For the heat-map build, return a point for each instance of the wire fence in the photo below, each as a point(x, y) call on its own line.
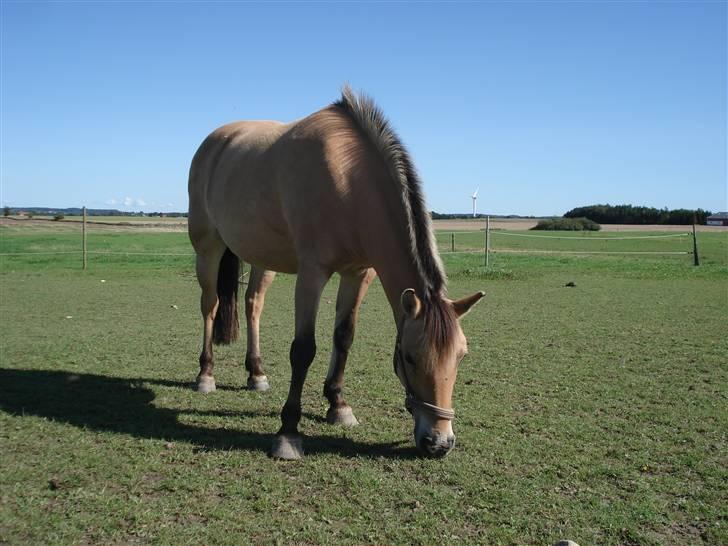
point(485, 241)
point(473, 242)
point(494, 242)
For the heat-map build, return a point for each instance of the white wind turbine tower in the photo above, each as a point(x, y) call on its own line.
point(475, 200)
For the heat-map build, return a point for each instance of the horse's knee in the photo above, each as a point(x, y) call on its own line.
point(344, 336)
point(303, 351)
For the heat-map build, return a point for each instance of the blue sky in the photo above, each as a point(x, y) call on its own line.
point(542, 105)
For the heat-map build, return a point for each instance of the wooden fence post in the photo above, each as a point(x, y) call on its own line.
point(452, 242)
point(83, 231)
point(487, 241)
point(696, 258)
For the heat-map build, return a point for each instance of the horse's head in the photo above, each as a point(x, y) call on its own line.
point(430, 345)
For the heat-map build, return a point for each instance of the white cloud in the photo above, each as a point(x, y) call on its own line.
point(136, 202)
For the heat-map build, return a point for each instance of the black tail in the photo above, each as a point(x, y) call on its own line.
point(226, 326)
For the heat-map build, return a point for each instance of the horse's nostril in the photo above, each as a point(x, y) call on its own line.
point(433, 447)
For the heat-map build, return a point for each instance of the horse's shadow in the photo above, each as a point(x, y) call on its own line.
point(124, 406)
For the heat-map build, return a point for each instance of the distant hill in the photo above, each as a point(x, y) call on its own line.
point(76, 211)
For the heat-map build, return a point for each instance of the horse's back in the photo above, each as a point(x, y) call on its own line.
point(276, 193)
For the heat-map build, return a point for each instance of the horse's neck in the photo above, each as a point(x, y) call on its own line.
point(391, 256)
point(396, 278)
point(384, 232)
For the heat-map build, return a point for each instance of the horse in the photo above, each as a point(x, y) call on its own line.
point(334, 192)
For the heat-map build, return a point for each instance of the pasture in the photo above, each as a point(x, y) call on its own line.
point(595, 412)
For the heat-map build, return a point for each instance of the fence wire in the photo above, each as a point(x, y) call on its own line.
point(472, 250)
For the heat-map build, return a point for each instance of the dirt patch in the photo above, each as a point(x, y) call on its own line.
point(660, 227)
point(528, 223)
point(180, 225)
point(40, 224)
point(479, 224)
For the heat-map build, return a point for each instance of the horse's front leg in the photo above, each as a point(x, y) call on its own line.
point(258, 283)
point(287, 444)
point(352, 289)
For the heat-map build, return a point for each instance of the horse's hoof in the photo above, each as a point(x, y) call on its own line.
point(205, 384)
point(287, 446)
point(258, 383)
point(343, 416)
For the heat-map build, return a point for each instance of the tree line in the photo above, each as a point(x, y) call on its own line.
point(629, 214)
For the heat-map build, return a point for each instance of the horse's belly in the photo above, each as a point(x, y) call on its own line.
point(261, 245)
point(273, 259)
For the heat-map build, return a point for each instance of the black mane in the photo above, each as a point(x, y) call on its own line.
point(371, 120)
point(439, 314)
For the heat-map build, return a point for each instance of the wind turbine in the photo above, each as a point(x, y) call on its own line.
point(475, 200)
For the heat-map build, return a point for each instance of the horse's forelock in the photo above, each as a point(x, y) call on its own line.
point(441, 323)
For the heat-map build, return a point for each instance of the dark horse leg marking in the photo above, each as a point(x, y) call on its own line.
point(352, 288)
point(287, 444)
point(258, 283)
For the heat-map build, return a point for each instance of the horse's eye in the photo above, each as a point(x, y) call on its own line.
point(408, 359)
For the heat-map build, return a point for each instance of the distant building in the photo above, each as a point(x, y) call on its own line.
point(718, 219)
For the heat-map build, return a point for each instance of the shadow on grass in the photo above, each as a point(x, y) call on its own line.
point(125, 406)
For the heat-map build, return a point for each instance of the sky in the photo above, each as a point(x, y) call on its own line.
point(542, 106)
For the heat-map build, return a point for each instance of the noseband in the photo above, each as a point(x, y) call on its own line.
point(412, 401)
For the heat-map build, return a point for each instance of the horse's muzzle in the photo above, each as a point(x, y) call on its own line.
point(436, 446)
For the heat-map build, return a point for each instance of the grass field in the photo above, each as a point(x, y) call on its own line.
point(595, 413)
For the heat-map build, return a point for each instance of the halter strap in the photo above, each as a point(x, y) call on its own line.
point(441, 413)
point(412, 401)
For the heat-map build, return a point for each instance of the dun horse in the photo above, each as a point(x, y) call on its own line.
point(333, 192)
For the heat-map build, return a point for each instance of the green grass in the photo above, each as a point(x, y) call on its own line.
point(595, 413)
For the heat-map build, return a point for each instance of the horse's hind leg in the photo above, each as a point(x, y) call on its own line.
point(352, 289)
point(208, 265)
point(258, 283)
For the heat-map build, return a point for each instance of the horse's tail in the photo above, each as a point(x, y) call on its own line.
point(226, 327)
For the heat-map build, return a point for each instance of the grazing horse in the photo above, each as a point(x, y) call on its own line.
point(333, 192)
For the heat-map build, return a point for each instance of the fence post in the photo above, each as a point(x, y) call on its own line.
point(452, 242)
point(696, 258)
point(487, 240)
point(83, 231)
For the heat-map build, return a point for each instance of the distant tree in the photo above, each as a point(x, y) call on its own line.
point(629, 214)
point(6, 211)
point(58, 217)
point(567, 224)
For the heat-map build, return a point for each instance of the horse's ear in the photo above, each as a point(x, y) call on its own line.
point(462, 306)
point(411, 304)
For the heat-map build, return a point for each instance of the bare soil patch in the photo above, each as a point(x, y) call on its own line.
point(528, 223)
point(138, 224)
point(151, 225)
